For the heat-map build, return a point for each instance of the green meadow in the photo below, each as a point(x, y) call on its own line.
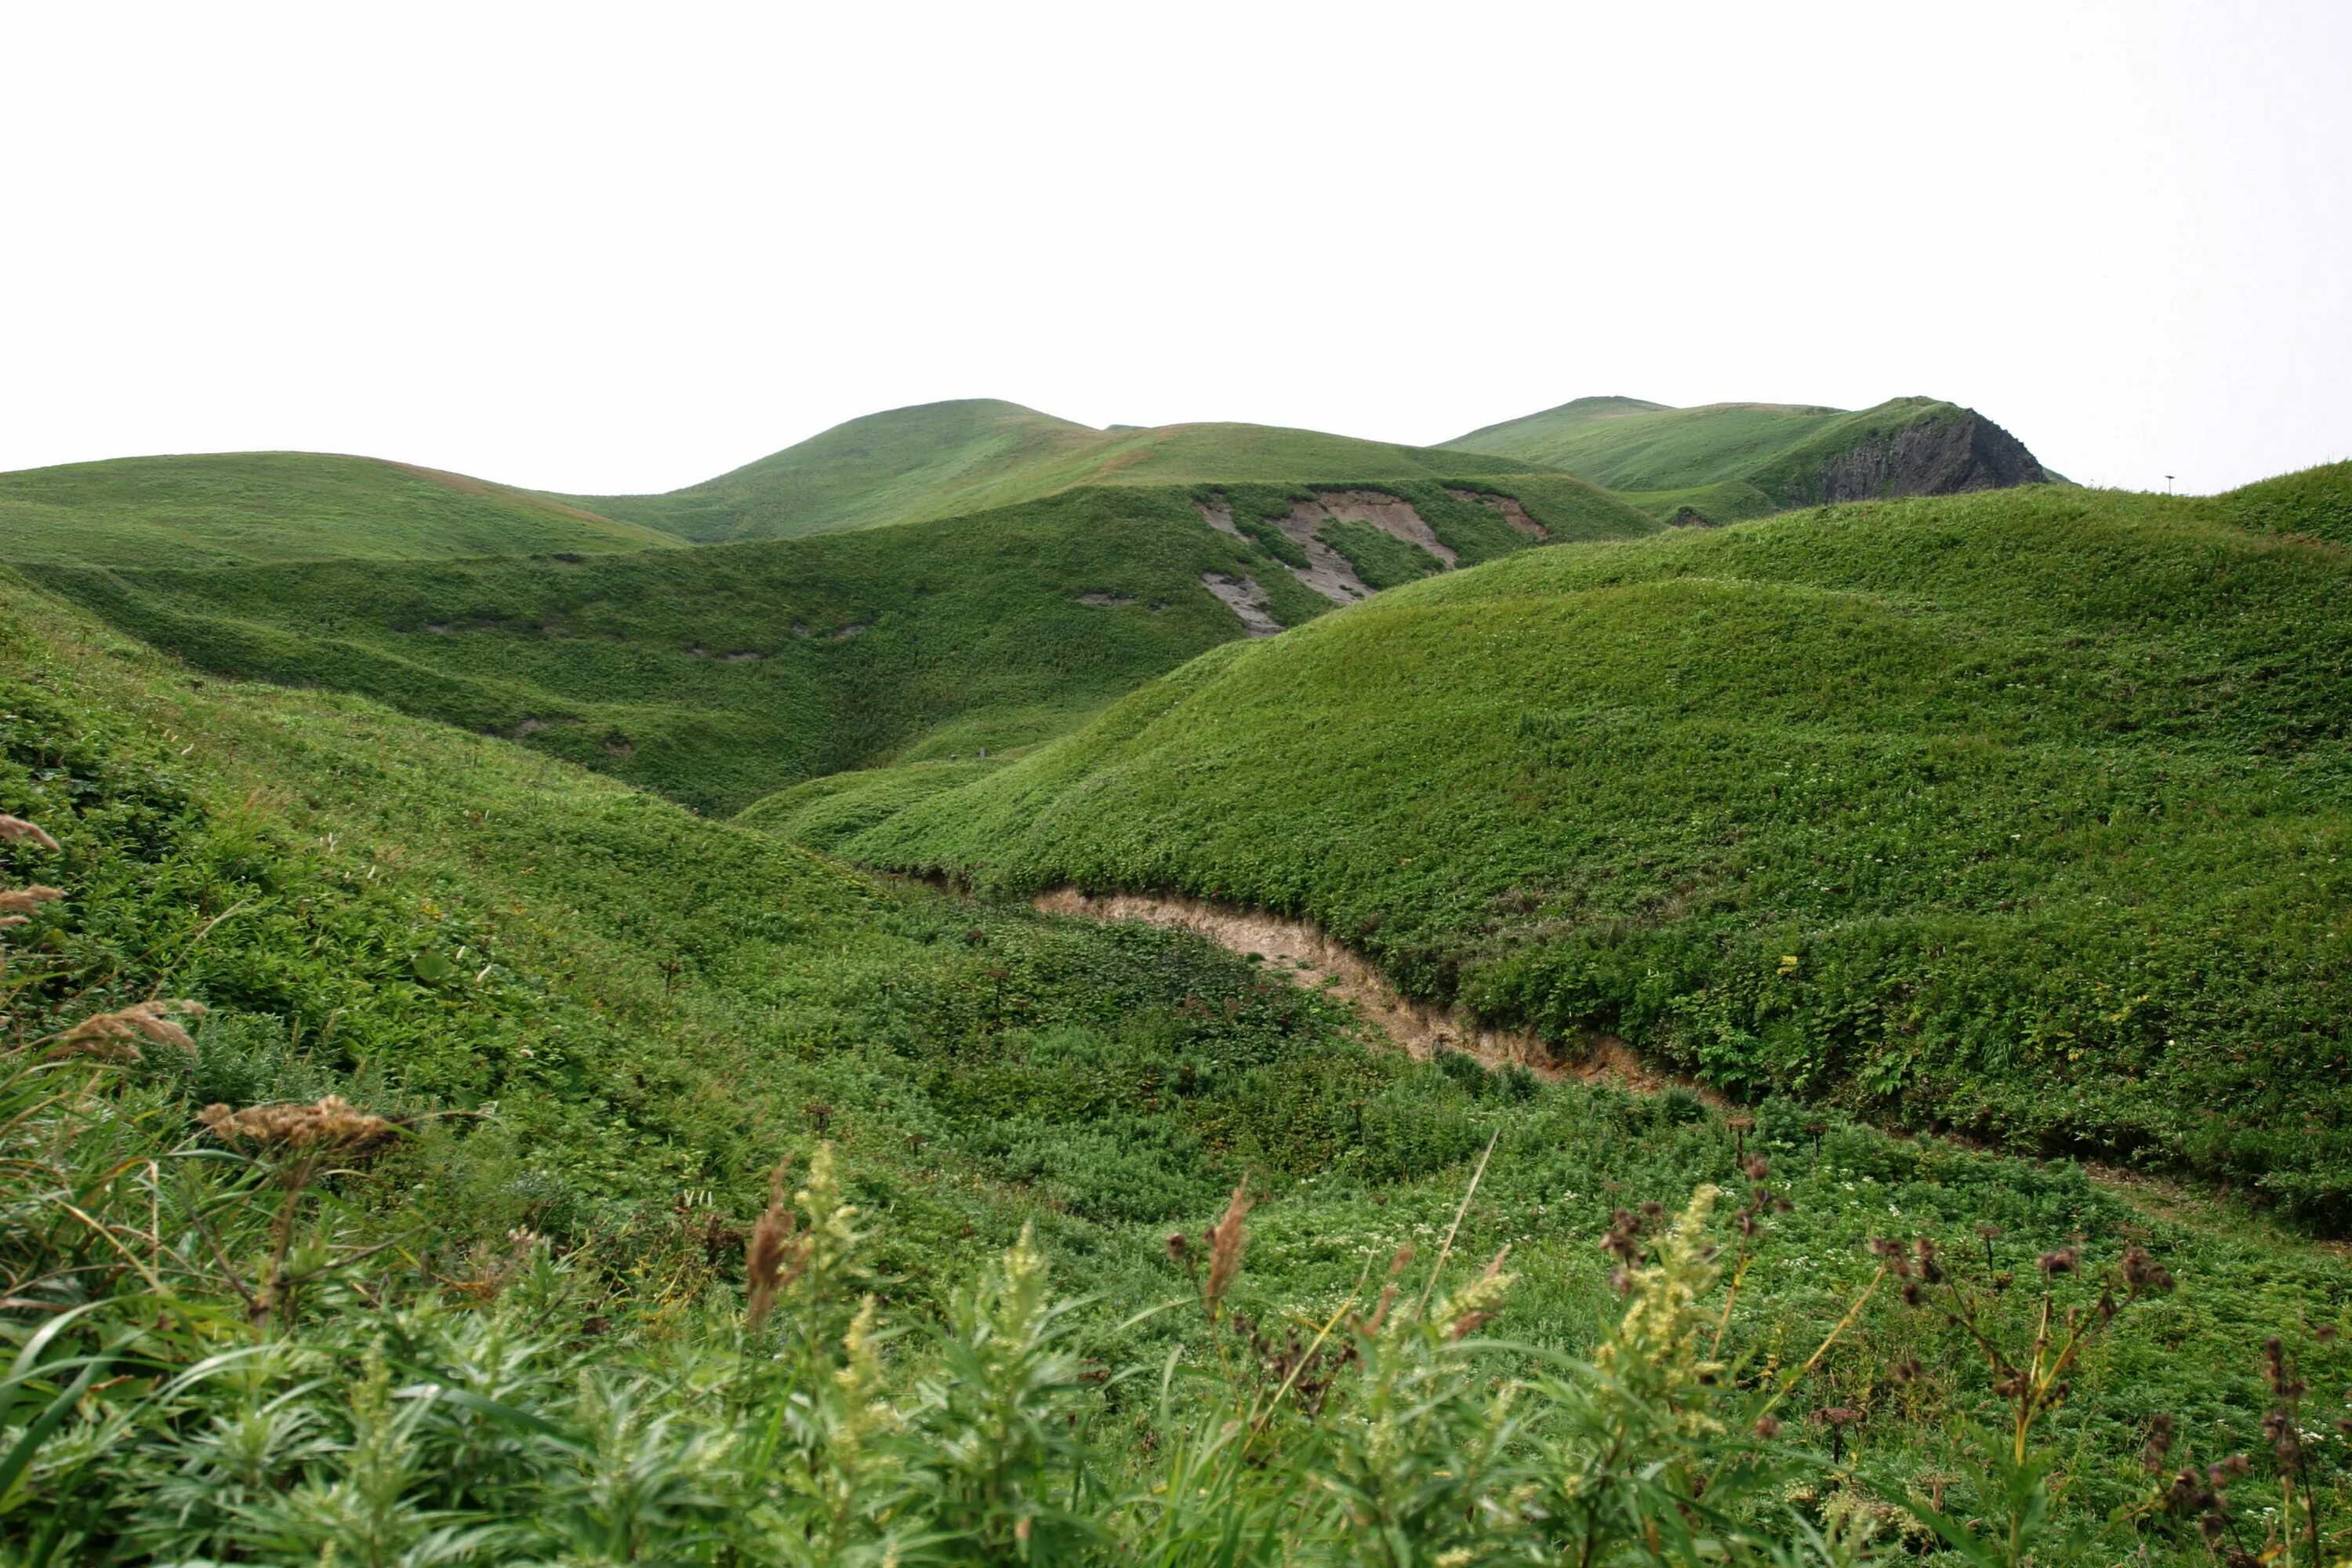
point(535, 1047)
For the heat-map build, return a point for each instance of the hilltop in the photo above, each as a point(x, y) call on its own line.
point(2022, 812)
point(1727, 461)
point(941, 459)
point(244, 507)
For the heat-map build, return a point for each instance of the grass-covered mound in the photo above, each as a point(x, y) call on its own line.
point(432, 1243)
point(2024, 813)
point(1727, 461)
point(945, 460)
point(718, 676)
point(239, 507)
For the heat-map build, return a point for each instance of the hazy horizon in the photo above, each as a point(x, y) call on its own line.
point(573, 249)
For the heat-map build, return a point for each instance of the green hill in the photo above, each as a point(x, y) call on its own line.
point(944, 460)
point(719, 675)
point(230, 508)
point(512, 1327)
point(2023, 813)
point(1733, 460)
point(902, 466)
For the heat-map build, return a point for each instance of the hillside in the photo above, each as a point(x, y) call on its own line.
point(595, 1023)
point(719, 675)
point(902, 466)
point(942, 459)
point(1727, 461)
point(2021, 813)
point(244, 507)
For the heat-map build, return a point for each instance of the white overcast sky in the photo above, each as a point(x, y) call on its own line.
point(604, 248)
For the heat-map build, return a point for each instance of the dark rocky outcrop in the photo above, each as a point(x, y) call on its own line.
point(1938, 454)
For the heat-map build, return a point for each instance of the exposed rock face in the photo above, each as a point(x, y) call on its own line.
point(1246, 599)
point(1931, 457)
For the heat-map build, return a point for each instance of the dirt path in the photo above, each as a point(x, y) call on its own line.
point(1307, 957)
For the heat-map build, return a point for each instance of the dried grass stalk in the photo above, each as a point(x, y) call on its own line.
point(15, 829)
point(112, 1034)
point(764, 1255)
point(25, 900)
point(1226, 1239)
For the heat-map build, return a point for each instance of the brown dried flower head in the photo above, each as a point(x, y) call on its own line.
point(112, 1034)
point(25, 900)
point(333, 1126)
point(1226, 1239)
point(16, 830)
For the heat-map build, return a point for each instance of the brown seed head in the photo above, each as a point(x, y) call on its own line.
point(1767, 1427)
point(16, 830)
point(332, 1126)
point(2059, 1261)
point(25, 900)
point(103, 1032)
point(1226, 1239)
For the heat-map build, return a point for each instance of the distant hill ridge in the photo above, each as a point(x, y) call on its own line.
point(1716, 464)
point(1727, 461)
point(944, 460)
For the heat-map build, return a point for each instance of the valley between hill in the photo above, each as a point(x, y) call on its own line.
point(467, 1098)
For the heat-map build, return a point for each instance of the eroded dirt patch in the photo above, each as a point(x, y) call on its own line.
point(1307, 956)
point(1391, 514)
point(1219, 514)
point(1508, 506)
point(1245, 598)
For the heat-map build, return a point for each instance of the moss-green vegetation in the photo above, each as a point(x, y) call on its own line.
point(2024, 813)
point(284, 506)
point(599, 1020)
point(2315, 504)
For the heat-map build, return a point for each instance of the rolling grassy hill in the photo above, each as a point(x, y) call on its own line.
point(943, 459)
point(902, 466)
point(719, 675)
point(1727, 461)
point(231, 507)
point(599, 1020)
point(2026, 813)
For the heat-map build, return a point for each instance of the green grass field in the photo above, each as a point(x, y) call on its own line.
point(2023, 813)
point(236, 507)
point(601, 1019)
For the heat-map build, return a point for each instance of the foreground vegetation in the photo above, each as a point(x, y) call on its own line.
point(2023, 813)
point(446, 1231)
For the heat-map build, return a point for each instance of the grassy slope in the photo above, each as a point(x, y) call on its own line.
point(283, 506)
point(2023, 812)
point(943, 459)
point(857, 644)
point(901, 465)
point(718, 676)
point(1726, 460)
point(643, 1008)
